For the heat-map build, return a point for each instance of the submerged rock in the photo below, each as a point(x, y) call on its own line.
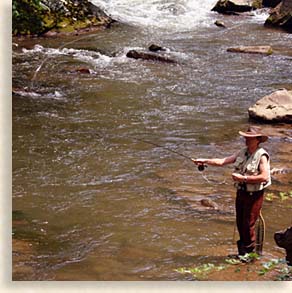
point(206, 202)
point(266, 50)
point(156, 48)
point(149, 56)
point(281, 16)
point(83, 70)
point(276, 107)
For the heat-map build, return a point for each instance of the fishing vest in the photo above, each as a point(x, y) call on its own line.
point(246, 164)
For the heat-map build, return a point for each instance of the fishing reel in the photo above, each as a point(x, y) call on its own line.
point(202, 167)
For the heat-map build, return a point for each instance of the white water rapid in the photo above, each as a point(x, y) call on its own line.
point(178, 15)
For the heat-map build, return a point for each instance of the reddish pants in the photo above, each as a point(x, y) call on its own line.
point(248, 207)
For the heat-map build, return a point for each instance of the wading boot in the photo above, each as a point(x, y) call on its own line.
point(240, 248)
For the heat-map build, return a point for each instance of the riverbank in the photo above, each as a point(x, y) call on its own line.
point(51, 18)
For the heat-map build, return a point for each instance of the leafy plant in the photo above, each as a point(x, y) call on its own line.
point(247, 258)
point(282, 195)
point(267, 266)
point(270, 196)
point(276, 265)
point(200, 271)
point(26, 16)
point(233, 261)
point(285, 274)
point(279, 265)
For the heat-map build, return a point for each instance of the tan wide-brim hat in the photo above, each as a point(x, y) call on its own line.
point(254, 131)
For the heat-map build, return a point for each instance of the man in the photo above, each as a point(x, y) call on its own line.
point(251, 177)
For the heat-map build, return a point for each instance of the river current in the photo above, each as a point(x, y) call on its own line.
point(92, 199)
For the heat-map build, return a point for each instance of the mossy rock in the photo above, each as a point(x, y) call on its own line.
point(40, 16)
point(257, 4)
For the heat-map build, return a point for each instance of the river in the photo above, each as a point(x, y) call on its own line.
point(91, 199)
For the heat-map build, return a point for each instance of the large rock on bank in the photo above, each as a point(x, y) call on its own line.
point(281, 16)
point(57, 16)
point(276, 107)
point(271, 3)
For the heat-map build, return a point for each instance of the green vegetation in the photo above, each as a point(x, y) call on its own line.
point(279, 266)
point(281, 195)
point(27, 17)
point(200, 271)
point(247, 258)
point(257, 4)
point(36, 17)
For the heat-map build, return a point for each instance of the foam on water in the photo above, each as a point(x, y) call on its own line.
point(90, 57)
point(177, 15)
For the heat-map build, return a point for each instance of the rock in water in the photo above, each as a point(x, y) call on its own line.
point(206, 202)
point(149, 56)
point(232, 6)
point(156, 48)
point(265, 50)
point(219, 23)
point(276, 107)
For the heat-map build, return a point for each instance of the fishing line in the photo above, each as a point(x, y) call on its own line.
point(166, 148)
point(60, 47)
point(200, 167)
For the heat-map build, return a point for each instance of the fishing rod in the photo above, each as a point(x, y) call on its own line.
point(201, 167)
point(163, 147)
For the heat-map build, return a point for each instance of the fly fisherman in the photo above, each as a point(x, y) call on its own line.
point(251, 177)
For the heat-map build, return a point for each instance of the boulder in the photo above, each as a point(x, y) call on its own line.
point(281, 16)
point(56, 16)
point(149, 56)
point(271, 3)
point(284, 240)
point(276, 107)
point(232, 6)
point(265, 50)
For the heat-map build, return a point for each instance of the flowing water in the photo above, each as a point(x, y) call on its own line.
point(91, 201)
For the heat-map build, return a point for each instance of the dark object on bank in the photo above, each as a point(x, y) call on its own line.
point(149, 56)
point(281, 16)
point(284, 240)
point(156, 48)
point(271, 3)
